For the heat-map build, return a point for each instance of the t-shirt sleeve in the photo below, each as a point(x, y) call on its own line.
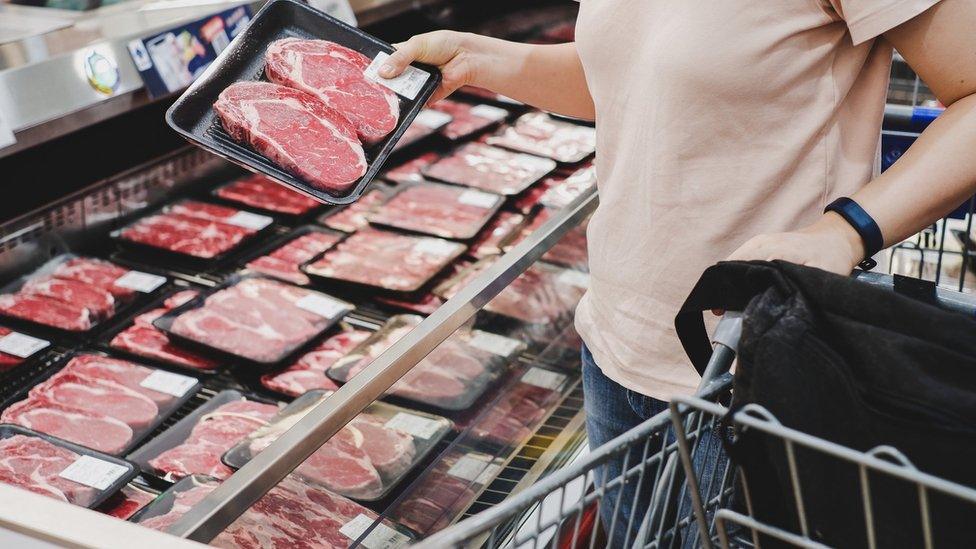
point(867, 19)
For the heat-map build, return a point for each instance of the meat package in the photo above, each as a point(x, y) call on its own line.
point(409, 171)
point(351, 218)
point(143, 341)
point(386, 260)
point(468, 119)
point(562, 192)
point(102, 403)
point(58, 469)
point(74, 293)
point(263, 193)
point(365, 459)
point(128, 501)
point(438, 210)
point(451, 377)
point(500, 230)
point(570, 251)
point(193, 229)
point(490, 169)
point(286, 255)
point(520, 408)
point(194, 445)
point(292, 514)
point(16, 348)
point(309, 371)
point(254, 318)
point(540, 134)
point(427, 123)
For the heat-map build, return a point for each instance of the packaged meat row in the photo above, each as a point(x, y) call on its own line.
point(128, 501)
point(353, 217)
point(500, 230)
point(102, 403)
point(17, 347)
point(570, 251)
point(284, 257)
point(540, 134)
point(410, 171)
point(308, 372)
point(468, 119)
point(437, 210)
point(75, 294)
point(563, 191)
point(490, 169)
point(260, 192)
point(522, 405)
point(427, 123)
point(365, 460)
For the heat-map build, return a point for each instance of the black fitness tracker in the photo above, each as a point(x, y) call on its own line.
point(864, 224)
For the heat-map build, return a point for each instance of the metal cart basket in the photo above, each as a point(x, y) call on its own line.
point(678, 458)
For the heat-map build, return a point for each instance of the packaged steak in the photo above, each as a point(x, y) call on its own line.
point(564, 191)
point(570, 251)
point(250, 317)
point(540, 134)
point(501, 229)
point(426, 301)
point(427, 123)
point(490, 169)
point(409, 171)
point(282, 258)
point(59, 469)
point(308, 372)
point(195, 444)
point(76, 294)
point(293, 513)
point(128, 501)
point(469, 118)
point(138, 339)
point(351, 218)
point(263, 193)
point(16, 348)
point(385, 260)
point(451, 377)
point(364, 460)
point(100, 402)
point(438, 210)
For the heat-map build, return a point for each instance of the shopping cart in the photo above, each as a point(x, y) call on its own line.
point(675, 461)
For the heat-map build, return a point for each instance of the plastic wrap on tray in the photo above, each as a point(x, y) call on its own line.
point(255, 318)
point(101, 402)
point(410, 171)
point(469, 118)
point(427, 123)
point(74, 293)
point(284, 260)
point(490, 169)
point(540, 134)
point(292, 514)
point(308, 372)
point(259, 191)
point(58, 469)
point(451, 377)
point(351, 218)
point(426, 302)
point(17, 347)
point(386, 260)
point(562, 192)
point(195, 444)
point(570, 251)
point(520, 408)
point(504, 227)
point(439, 210)
point(128, 501)
point(365, 459)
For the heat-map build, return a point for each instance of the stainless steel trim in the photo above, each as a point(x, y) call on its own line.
point(219, 509)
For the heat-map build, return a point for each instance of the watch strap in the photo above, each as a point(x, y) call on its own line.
point(864, 224)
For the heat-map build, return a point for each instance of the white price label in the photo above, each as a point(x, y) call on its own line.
point(417, 426)
point(22, 345)
point(249, 220)
point(475, 467)
point(432, 118)
point(494, 343)
point(489, 112)
point(408, 84)
point(435, 246)
point(93, 472)
point(340, 9)
point(169, 383)
point(381, 537)
point(543, 378)
point(323, 305)
point(575, 278)
point(536, 163)
point(478, 199)
point(140, 281)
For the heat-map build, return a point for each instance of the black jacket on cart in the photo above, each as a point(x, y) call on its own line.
point(857, 365)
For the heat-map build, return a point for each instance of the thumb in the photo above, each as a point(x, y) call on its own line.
point(406, 53)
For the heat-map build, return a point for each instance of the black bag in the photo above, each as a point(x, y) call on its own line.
point(856, 365)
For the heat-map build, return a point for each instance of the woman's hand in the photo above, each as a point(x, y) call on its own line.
point(451, 52)
point(830, 244)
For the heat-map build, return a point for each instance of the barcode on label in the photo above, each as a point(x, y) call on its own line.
point(493, 343)
point(94, 472)
point(249, 220)
point(575, 278)
point(478, 199)
point(435, 246)
point(323, 305)
point(169, 383)
point(489, 112)
point(417, 426)
point(543, 378)
point(21, 345)
point(432, 118)
point(381, 537)
point(408, 84)
point(475, 467)
point(140, 281)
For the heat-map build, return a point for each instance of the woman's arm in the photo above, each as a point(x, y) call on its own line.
point(934, 176)
point(544, 76)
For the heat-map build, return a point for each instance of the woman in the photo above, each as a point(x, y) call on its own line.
point(723, 131)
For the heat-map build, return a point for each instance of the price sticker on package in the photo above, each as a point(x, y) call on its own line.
point(432, 118)
point(22, 345)
point(487, 111)
point(94, 472)
point(475, 468)
point(408, 84)
point(435, 246)
point(575, 278)
point(140, 282)
point(417, 426)
point(536, 163)
point(380, 537)
point(543, 378)
point(478, 199)
point(169, 383)
point(494, 343)
point(323, 305)
point(249, 220)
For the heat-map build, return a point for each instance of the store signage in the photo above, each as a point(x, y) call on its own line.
point(102, 72)
point(172, 60)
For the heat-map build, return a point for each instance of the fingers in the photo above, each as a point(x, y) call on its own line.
point(406, 53)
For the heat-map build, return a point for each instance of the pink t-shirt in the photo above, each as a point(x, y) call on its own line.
point(716, 121)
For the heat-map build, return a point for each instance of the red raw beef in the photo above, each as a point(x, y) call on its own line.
point(334, 74)
point(191, 236)
point(98, 396)
point(47, 311)
point(353, 217)
point(294, 130)
point(146, 341)
point(179, 298)
point(98, 301)
point(183, 501)
point(563, 191)
point(513, 418)
point(8, 362)
point(283, 263)
point(537, 296)
point(386, 260)
point(309, 371)
point(390, 451)
point(35, 464)
point(83, 427)
point(203, 210)
point(95, 272)
point(465, 122)
point(436, 501)
point(501, 229)
point(260, 192)
point(571, 250)
point(418, 130)
point(127, 502)
point(122, 372)
point(540, 134)
point(439, 210)
point(340, 465)
point(490, 169)
point(409, 172)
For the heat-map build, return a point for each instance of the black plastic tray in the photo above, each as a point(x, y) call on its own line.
point(7, 430)
point(280, 241)
point(398, 225)
point(193, 116)
point(381, 187)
